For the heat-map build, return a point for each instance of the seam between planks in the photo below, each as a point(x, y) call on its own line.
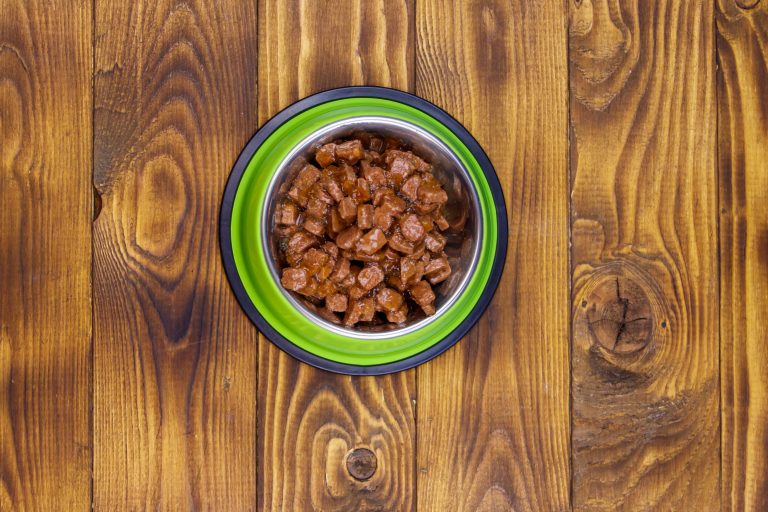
point(91, 182)
point(569, 233)
point(716, 172)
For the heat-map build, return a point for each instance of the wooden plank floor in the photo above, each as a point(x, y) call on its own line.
point(622, 365)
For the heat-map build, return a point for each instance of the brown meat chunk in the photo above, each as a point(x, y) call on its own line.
point(393, 205)
point(380, 194)
point(335, 223)
point(438, 270)
point(370, 277)
point(350, 151)
point(360, 311)
point(400, 244)
point(389, 299)
point(326, 270)
point(340, 271)
point(362, 193)
point(440, 221)
point(331, 249)
point(317, 191)
point(307, 177)
point(299, 196)
point(301, 241)
point(326, 155)
point(416, 272)
point(372, 241)
point(356, 292)
point(333, 188)
point(324, 289)
point(348, 237)
point(422, 294)
point(414, 161)
point(399, 170)
point(373, 174)
point(365, 216)
point(431, 192)
point(398, 316)
point(435, 242)
point(287, 213)
point(410, 188)
point(348, 209)
point(314, 226)
point(390, 260)
point(368, 309)
point(336, 302)
point(294, 278)
point(411, 228)
point(316, 207)
point(313, 260)
point(382, 219)
point(310, 290)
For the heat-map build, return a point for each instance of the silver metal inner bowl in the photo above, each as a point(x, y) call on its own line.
point(462, 211)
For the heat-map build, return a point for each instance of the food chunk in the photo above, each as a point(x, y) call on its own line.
point(326, 155)
point(435, 242)
point(370, 277)
point(438, 270)
point(348, 237)
point(389, 299)
point(365, 216)
point(372, 241)
point(287, 213)
point(350, 151)
point(423, 295)
point(411, 228)
point(347, 209)
point(295, 278)
point(336, 302)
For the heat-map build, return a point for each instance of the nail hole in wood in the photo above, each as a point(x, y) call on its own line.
point(361, 464)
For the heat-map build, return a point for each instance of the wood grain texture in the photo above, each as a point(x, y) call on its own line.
point(175, 358)
point(45, 255)
point(309, 420)
point(493, 412)
point(644, 256)
point(742, 51)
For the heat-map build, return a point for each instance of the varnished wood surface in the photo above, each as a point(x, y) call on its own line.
point(174, 382)
point(45, 255)
point(622, 364)
point(645, 400)
point(493, 420)
point(742, 44)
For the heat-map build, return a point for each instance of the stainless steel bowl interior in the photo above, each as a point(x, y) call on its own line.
point(462, 211)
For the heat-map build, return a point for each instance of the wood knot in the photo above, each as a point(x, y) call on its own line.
point(361, 463)
point(619, 315)
point(747, 4)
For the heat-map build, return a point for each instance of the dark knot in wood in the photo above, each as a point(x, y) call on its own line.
point(361, 463)
point(747, 4)
point(619, 315)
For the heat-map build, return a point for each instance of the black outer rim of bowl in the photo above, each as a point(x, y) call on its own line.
point(233, 183)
